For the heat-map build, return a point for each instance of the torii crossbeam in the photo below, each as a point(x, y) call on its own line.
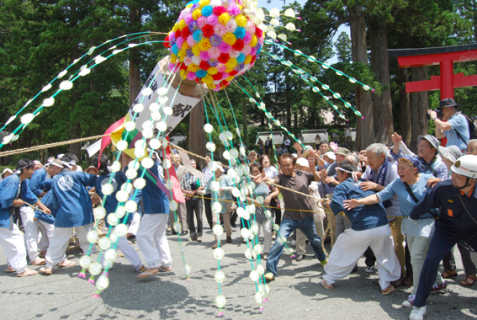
point(445, 57)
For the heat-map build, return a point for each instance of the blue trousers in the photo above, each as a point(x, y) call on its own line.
point(307, 226)
point(444, 239)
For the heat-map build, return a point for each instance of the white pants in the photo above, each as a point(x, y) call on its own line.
point(151, 239)
point(57, 250)
point(134, 226)
point(267, 234)
point(13, 245)
point(50, 228)
point(129, 253)
point(32, 228)
point(301, 239)
point(418, 247)
point(351, 245)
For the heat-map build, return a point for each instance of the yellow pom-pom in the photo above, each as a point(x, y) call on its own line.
point(212, 86)
point(231, 63)
point(203, 3)
point(182, 54)
point(185, 45)
point(229, 38)
point(183, 74)
point(196, 14)
point(224, 18)
point(204, 44)
point(181, 25)
point(196, 50)
point(173, 58)
point(254, 41)
point(193, 68)
point(175, 27)
point(189, 5)
point(241, 20)
point(207, 79)
point(228, 70)
point(212, 70)
point(231, 78)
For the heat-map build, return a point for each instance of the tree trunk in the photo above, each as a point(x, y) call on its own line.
point(245, 123)
point(134, 58)
point(364, 103)
point(404, 106)
point(383, 114)
point(419, 107)
point(197, 138)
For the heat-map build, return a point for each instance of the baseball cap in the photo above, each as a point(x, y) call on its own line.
point(303, 162)
point(330, 155)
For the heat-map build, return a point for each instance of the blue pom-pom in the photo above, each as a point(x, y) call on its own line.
point(175, 49)
point(197, 35)
point(201, 73)
point(240, 33)
point(207, 11)
point(241, 58)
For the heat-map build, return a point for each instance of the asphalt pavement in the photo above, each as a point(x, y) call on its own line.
point(295, 294)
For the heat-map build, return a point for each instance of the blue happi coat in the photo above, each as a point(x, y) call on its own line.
point(8, 192)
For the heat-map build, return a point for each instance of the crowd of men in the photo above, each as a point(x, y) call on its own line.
point(404, 212)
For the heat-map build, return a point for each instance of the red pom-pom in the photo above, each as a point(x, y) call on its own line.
point(204, 65)
point(259, 33)
point(167, 44)
point(253, 59)
point(178, 34)
point(185, 33)
point(224, 57)
point(183, 66)
point(233, 73)
point(218, 76)
point(219, 10)
point(208, 31)
point(238, 46)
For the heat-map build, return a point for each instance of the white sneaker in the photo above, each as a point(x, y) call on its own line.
point(371, 269)
point(417, 313)
point(409, 302)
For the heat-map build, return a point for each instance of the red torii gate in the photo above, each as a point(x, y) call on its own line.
point(445, 57)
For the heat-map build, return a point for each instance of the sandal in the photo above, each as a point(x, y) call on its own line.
point(66, 264)
point(468, 281)
point(38, 262)
point(326, 285)
point(165, 269)
point(449, 274)
point(9, 270)
point(27, 273)
point(142, 269)
point(46, 270)
point(147, 274)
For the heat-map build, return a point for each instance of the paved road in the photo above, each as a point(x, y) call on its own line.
point(295, 294)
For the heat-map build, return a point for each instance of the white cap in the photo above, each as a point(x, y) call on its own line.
point(330, 155)
point(7, 170)
point(303, 162)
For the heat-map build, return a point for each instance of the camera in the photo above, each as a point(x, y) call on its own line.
point(438, 112)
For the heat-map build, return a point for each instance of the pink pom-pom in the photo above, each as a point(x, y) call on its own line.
point(220, 314)
point(187, 61)
point(90, 280)
point(204, 55)
point(179, 42)
point(212, 20)
point(373, 90)
point(189, 279)
point(107, 274)
point(82, 275)
point(188, 18)
point(234, 54)
point(202, 21)
point(247, 38)
point(224, 47)
point(221, 67)
point(253, 51)
point(191, 76)
point(219, 29)
point(231, 26)
point(225, 76)
point(217, 88)
point(251, 27)
point(299, 18)
point(214, 53)
point(292, 256)
point(190, 41)
point(96, 296)
point(246, 50)
point(363, 118)
point(299, 30)
point(346, 119)
point(233, 10)
point(171, 66)
point(261, 308)
point(265, 300)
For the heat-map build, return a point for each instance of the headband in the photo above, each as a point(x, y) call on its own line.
point(341, 169)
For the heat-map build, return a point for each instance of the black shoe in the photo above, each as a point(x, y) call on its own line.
point(183, 233)
point(173, 233)
point(355, 269)
point(300, 257)
point(229, 239)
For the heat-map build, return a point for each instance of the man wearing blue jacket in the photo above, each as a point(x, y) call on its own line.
point(457, 199)
point(75, 210)
point(369, 228)
point(14, 192)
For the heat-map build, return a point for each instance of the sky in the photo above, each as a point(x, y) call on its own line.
point(279, 3)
